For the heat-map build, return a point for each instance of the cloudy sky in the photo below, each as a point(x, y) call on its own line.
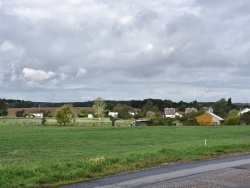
point(78, 50)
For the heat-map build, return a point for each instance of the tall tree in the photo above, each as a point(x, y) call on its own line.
point(147, 107)
point(65, 114)
point(99, 107)
point(20, 113)
point(245, 118)
point(221, 108)
point(229, 102)
point(113, 119)
point(83, 113)
point(233, 118)
point(3, 108)
point(123, 111)
point(150, 114)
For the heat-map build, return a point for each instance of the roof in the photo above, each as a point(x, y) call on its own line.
point(244, 110)
point(142, 120)
point(212, 114)
point(219, 118)
point(169, 111)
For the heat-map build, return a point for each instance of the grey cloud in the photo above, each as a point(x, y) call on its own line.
point(125, 50)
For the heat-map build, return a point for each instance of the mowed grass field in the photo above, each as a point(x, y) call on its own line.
point(33, 156)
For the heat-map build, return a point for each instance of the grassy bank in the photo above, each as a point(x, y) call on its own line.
point(37, 155)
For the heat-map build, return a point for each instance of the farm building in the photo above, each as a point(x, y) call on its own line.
point(37, 114)
point(179, 114)
point(113, 114)
point(209, 119)
point(169, 112)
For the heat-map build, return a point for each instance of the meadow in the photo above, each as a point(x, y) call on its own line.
point(33, 156)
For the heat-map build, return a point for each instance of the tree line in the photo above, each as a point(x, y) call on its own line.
point(161, 104)
point(147, 108)
point(223, 108)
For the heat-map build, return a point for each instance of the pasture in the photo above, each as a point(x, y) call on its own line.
point(53, 155)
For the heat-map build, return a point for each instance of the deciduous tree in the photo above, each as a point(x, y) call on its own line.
point(83, 113)
point(3, 108)
point(123, 111)
point(233, 118)
point(99, 107)
point(20, 113)
point(113, 119)
point(221, 108)
point(245, 118)
point(147, 107)
point(150, 114)
point(65, 114)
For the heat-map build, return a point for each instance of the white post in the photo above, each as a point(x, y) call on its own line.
point(205, 142)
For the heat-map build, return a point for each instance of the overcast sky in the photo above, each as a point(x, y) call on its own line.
point(78, 50)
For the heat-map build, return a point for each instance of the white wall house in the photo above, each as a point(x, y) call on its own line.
point(37, 114)
point(113, 113)
point(216, 119)
point(169, 112)
point(133, 112)
point(178, 114)
point(90, 115)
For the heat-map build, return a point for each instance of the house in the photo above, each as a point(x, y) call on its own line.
point(37, 114)
point(113, 113)
point(208, 109)
point(244, 110)
point(179, 114)
point(133, 112)
point(209, 119)
point(90, 115)
point(190, 110)
point(169, 112)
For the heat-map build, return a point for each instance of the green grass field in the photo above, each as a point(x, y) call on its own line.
point(32, 156)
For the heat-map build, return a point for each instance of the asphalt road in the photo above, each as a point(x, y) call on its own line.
point(224, 172)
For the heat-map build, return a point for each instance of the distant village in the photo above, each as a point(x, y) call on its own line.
point(144, 112)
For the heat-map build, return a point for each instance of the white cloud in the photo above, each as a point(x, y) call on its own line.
point(148, 47)
point(126, 19)
point(81, 72)
point(36, 75)
point(31, 13)
point(6, 46)
point(168, 51)
point(62, 76)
